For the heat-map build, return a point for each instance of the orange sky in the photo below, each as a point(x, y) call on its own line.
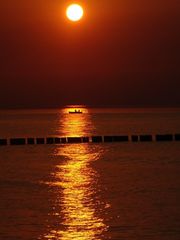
point(121, 53)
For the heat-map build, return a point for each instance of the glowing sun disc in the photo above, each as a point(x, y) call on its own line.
point(74, 12)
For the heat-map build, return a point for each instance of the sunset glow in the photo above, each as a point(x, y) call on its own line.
point(74, 12)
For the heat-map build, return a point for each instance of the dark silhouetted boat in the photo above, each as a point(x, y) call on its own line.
point(76, 112)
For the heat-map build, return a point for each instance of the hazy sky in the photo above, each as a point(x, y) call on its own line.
point(123, 53)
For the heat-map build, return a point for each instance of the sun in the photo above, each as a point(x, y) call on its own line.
point(74, 12)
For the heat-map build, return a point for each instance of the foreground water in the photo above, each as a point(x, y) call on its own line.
point(90, 191)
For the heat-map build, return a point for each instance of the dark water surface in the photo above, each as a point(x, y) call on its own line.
point(90, 191)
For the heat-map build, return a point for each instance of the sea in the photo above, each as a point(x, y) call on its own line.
point(90, 191)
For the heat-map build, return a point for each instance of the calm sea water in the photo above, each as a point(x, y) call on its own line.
point(90, 191)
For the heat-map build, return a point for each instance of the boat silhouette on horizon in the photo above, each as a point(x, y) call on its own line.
point(75, 112)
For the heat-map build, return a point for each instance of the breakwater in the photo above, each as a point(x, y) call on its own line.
point(91, 139)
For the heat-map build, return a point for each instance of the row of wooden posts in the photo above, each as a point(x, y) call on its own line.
point(93, 139)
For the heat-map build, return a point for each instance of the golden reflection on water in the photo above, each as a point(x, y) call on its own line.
point(79, 182)
point(74, 125)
